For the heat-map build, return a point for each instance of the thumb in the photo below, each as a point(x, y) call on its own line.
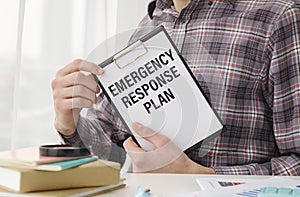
point(155, 138)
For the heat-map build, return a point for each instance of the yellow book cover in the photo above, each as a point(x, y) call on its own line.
point(97, 173)
point(82, 191)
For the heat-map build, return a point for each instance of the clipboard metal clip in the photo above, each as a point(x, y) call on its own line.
point(122, 59)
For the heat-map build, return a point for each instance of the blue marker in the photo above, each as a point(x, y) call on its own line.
point(142, 193)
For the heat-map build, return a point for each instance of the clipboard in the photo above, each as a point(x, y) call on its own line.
point(150, 82)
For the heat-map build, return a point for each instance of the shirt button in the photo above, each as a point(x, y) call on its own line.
point(210, 3)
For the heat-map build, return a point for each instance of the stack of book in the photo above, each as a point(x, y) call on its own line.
point(24, 170)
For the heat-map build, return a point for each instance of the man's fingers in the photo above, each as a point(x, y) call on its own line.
point(91, 68)
point(76, 78)
point(142, 130)
point(72, 103)
point(80, 65)
point(155, 138)
point(76, 91)
point(97, 87)
point(131, 146)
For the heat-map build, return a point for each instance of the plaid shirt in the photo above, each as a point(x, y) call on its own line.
point(248, 52)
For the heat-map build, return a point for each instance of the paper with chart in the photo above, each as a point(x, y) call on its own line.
point(242, 185)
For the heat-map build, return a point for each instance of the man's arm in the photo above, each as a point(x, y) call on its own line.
point(74, 90)
point(102, 130)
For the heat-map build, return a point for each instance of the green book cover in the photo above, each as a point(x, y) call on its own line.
point(62, 165)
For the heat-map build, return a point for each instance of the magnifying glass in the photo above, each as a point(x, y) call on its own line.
point(62, 150)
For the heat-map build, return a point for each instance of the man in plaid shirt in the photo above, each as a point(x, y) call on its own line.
point(252, 71)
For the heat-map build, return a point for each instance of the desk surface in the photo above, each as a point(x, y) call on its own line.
point(161, 185)
point(167, 184)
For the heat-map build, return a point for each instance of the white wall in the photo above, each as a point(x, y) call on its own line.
point(54, 33)
point(136, 12)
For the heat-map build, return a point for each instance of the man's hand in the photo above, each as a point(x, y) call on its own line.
point(165, 158)
point(72, 91)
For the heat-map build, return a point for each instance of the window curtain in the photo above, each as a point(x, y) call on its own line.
point(38, 38)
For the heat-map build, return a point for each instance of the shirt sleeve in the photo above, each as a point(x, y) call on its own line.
point(102, 131)
point(283, 90)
